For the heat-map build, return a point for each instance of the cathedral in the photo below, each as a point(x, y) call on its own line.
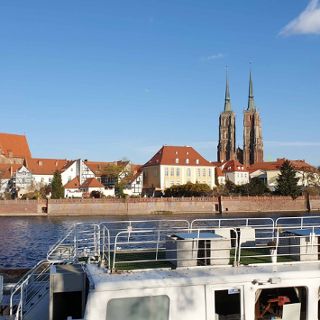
point(252, 151)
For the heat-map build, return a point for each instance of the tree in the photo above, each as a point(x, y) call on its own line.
point(117, 175)
point(256, 187)
point(287, 182)
point(57, 190)
point(188, 190)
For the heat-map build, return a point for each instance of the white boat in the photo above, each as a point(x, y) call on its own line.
point(253, 268)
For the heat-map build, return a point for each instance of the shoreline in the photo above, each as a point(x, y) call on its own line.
point(161, 213)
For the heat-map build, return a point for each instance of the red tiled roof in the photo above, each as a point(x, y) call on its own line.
point(47, 166)
point(186, 156)
point(92, 183)
point(299, 165)
point(73, 184)
point(219, 172)
point(97, 167)
point(234, 165)
point(15, 144)
point(7, 169)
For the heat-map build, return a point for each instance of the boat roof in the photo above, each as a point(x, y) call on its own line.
point(200, 276)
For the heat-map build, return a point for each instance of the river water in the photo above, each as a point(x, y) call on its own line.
point(25, 240)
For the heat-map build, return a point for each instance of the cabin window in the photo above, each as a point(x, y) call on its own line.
point(227, 304)
point(281, 303)
point(139, 308)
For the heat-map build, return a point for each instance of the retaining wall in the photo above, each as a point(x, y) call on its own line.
point(132, 206)
point(263, 204)
point(157, 205)
point(19, 206)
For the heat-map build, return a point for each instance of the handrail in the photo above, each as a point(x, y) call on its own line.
point(300, 220)
point(233, 221)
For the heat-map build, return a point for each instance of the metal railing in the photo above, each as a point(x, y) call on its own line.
point(29, 287)
point(297, 221)
point(140, 249)
point(288, 245)
point(235, 223)
point(82, 241)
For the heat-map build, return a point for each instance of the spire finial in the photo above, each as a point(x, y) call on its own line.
point(227, 100)
point(251, 105)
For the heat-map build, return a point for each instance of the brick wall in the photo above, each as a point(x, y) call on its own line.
point(19, 206)
point(131, 206)
point(157, 205)
point(263, 204)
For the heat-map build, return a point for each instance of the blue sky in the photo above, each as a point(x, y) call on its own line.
point(105, 80)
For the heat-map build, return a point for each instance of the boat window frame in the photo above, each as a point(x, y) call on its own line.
point(210, 298)
point(141, 297)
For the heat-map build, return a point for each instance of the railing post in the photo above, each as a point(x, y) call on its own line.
point(75, 242)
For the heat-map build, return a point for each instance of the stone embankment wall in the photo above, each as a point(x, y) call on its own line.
point(132, 206)
point(19, 206)
point(158, 205)
point(263, 204)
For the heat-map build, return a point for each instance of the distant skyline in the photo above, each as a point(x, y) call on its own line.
point(104, 80)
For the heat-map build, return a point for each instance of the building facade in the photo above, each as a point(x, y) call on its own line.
point(252, 132)
point(226, 149)
point(176, 165)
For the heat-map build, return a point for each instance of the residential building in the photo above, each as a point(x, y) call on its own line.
point(42, 170)
point(176, 165)
point(236, 172)
point(72, 189)
point(135, 185)
point(269, 172)
point(92, 184)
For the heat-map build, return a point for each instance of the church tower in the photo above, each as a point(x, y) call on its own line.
point(227, 130)
point(252, 132)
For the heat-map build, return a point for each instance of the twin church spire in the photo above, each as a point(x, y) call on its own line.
point(252, 151)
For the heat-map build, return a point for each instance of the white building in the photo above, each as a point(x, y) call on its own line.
point(236, 172)
point(176, 165)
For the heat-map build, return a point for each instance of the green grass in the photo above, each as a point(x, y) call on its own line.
point(145, 259)
point(140, 260)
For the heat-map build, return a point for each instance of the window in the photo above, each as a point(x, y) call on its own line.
point(228, 303)
point(139, 308)
point(177, 160)
point(203, 172)
point(197, 161)
point(209, 172)
point(178, 172)
point(294, 298)
point(187, 161)
point(199, 173)
point(166, 171)
point(172, 172)
point(188, 172)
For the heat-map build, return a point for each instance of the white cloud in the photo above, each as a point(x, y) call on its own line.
point(293, 143)
point(213, 57)
point(308, 22)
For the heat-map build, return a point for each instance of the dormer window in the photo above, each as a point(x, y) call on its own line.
point(177, 160)
point(197, 161)
point(40, 163)
point(187, 161)
point(176, 152)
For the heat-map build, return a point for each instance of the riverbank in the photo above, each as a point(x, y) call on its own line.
point(156, 206)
